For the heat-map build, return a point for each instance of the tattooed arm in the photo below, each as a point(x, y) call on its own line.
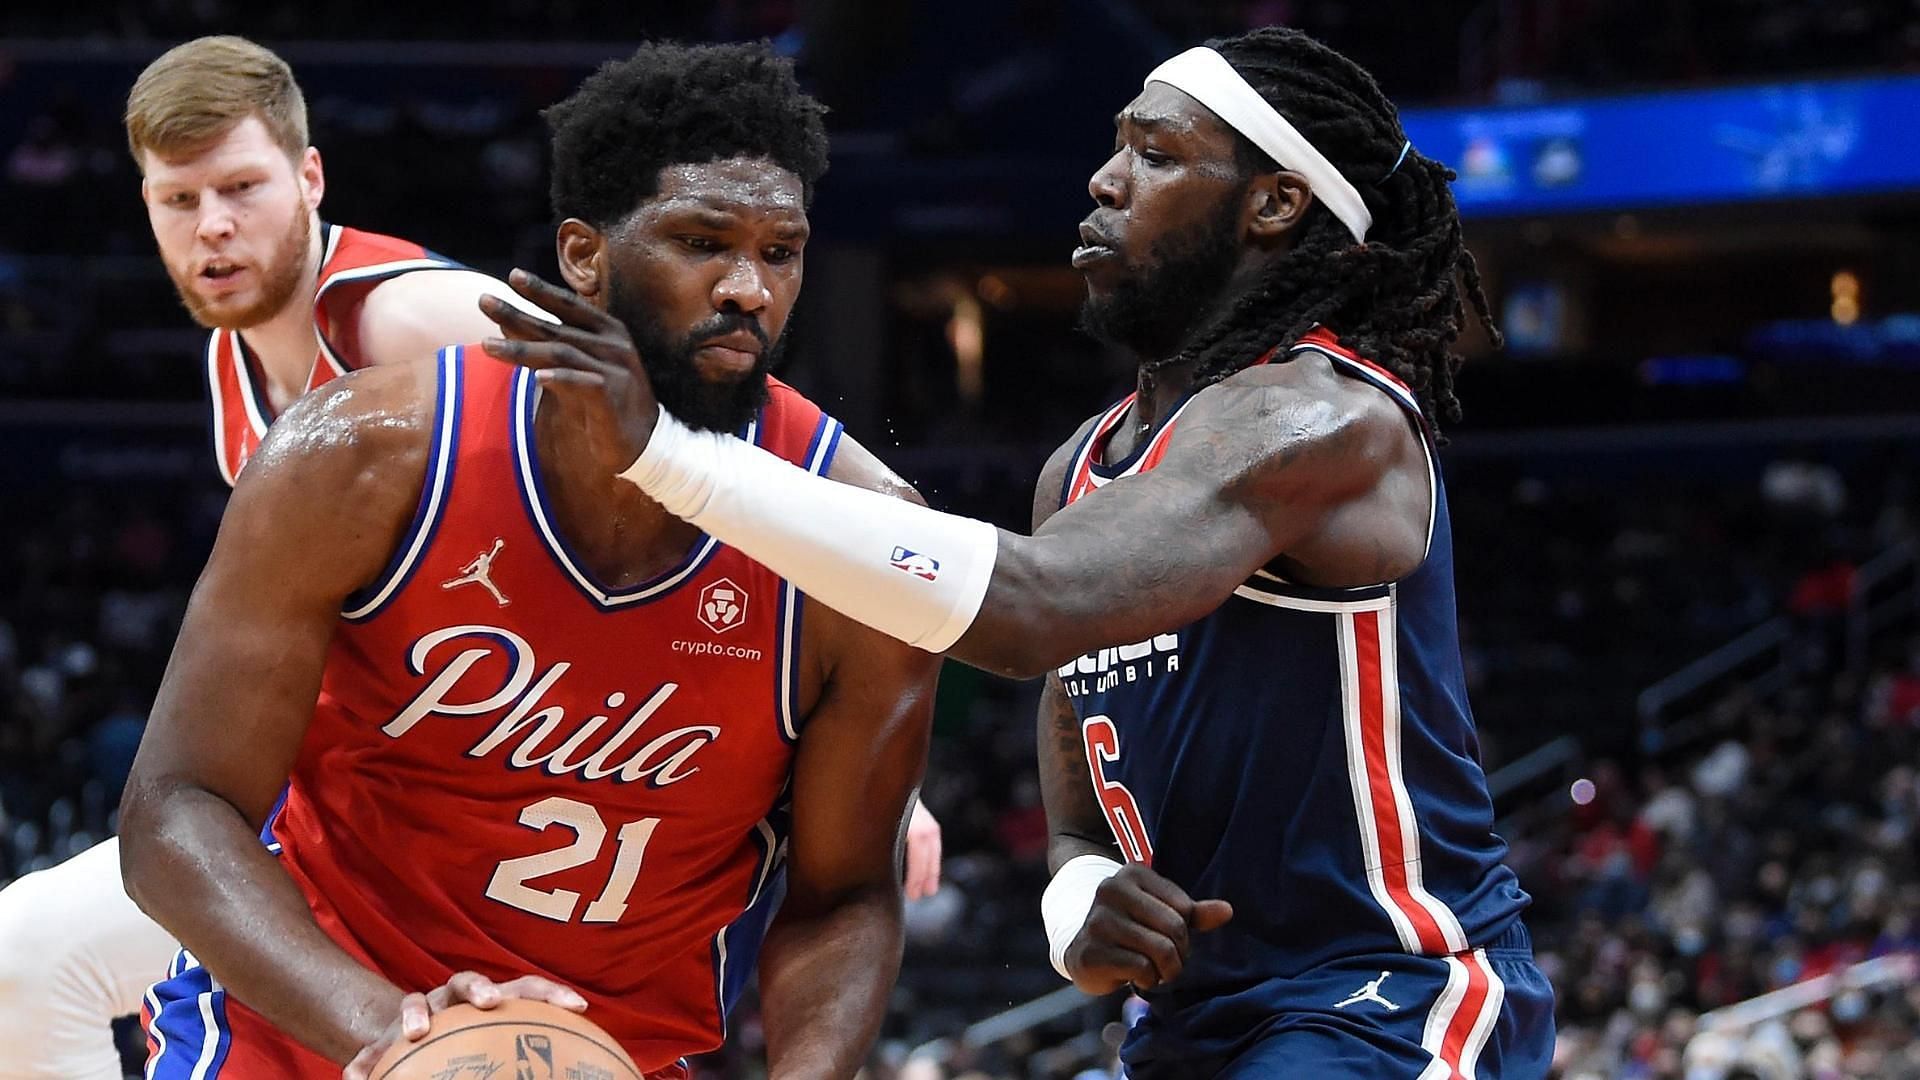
point(1075, 823)
point(1291, 461)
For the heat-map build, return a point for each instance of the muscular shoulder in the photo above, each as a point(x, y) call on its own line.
point(359, 441)
point(412, 315)
point(1334, 469)
point(332, 488)
point(1296, 425)
point(1053, 475)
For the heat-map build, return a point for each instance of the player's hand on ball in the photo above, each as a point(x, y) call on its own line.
point(588, 354)
point(1139, 931)
point(416, 1010)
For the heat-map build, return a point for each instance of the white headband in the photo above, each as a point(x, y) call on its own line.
point(1205, 76)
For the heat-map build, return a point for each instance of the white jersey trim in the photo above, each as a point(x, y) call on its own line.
point(334, 233)
point(1362, 792)
point(1083, 457)
point(1298, 603)
point(1141, 453)
point(1445, 1017)
point(440, 472)
point(1450, 929)
point(341, 277)
point(1357, 680)
point(220, 453)
point(249, 390)
point(153, 1030)
point(790, 600)
point(1399, 390)
point(1482, 1032)
point(769, 858)
point(525, 401)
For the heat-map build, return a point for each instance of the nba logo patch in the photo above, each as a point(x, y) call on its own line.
point(912, 562)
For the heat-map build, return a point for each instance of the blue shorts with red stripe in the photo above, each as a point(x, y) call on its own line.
point(185, 1015)
point(1484, 1013)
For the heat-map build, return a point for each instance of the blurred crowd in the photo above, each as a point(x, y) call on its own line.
point(1784, 851)
point(88, 613)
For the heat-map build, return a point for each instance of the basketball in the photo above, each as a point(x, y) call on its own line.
point(517, 1039)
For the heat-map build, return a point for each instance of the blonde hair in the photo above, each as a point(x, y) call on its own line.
point(196, 92)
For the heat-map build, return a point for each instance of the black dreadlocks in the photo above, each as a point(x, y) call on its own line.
point(1393, 299)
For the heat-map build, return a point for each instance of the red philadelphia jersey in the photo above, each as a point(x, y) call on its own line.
point(515, 768)
point(241, 411)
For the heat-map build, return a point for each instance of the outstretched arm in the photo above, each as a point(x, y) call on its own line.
point(1258, 466)
point(1248, 472)
point(412, 316)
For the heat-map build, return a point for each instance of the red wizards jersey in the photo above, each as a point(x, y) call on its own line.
point(241, 411)
point(516, 768)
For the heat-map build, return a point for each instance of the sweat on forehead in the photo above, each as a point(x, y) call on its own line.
point(738, 186)
point(741, 179)
point(1163, 108)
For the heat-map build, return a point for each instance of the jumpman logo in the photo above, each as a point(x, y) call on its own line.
point(1370, 992)
point(478, 573)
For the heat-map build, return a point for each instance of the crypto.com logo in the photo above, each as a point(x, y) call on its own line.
point(723, 606)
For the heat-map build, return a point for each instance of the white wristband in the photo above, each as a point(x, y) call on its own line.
point(1068, 899)
point(909, 572)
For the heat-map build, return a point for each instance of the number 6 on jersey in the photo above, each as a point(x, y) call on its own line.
point(589, 833)
point(1123, 814)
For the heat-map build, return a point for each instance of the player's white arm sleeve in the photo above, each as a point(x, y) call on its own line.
point(1068, 900)
point(909, 572)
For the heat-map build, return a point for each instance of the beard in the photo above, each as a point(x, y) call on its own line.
point(696, 401)
point(1152, 313)
point(279, 281)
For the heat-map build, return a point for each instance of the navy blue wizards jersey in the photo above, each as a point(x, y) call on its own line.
point(1305, 754)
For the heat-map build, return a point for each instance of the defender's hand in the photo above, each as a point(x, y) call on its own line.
point(416, 1010)
point(587, 355)
point(1139, 931)
point(923, 852)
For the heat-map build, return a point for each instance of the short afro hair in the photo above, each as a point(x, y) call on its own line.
point(674, 104)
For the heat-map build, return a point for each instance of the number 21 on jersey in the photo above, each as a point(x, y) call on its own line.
point(1123, 813)
point(589, 832)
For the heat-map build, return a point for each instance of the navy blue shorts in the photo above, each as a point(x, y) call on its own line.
point(1485, 1013)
